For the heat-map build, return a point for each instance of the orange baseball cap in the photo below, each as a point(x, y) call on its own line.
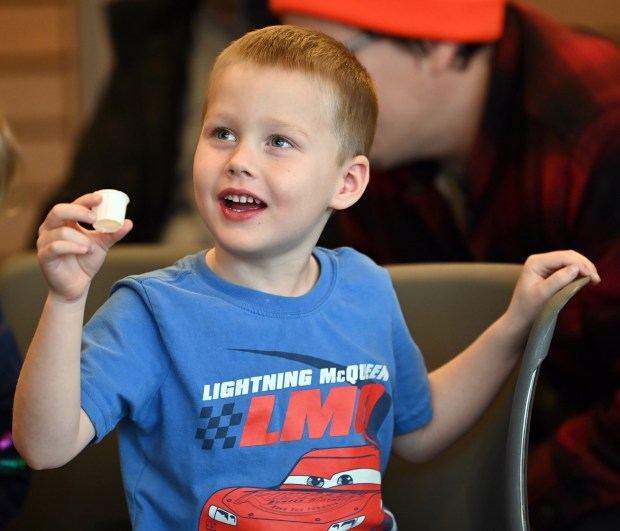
point(452, 20)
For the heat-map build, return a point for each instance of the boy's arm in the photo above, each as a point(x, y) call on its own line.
point(49, 426)
point(464, 387)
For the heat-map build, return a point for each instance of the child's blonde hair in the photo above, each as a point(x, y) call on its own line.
point(8, 157)
point(351, 97)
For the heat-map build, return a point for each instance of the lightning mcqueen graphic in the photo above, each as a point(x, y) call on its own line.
point(333, 489)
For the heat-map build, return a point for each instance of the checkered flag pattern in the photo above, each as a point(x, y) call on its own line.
point(218, 426)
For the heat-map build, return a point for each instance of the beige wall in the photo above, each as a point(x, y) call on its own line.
point(41, 97)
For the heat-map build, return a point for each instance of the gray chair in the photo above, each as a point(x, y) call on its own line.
point(479, 482)
point(446, 306)
point(519, 427)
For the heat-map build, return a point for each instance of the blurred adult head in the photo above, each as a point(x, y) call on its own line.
point(430, 61)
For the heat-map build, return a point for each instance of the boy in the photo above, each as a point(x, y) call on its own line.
point(252, 383)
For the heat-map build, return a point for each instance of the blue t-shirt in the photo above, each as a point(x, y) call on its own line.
point(240, 407)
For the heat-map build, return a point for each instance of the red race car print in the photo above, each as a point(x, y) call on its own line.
point(333, 489)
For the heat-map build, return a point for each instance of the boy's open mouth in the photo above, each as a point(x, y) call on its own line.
point(243, 203)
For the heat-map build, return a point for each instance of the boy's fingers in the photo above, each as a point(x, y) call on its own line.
point(67, 212)
point(49, 241)
point(562, 277)
point(62, 232)
point(589, 270)
point(546, 264)
point(78, 210)
point(59, 248)
point(110, 238)
point(583, 266)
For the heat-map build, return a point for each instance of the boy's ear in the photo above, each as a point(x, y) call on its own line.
point(352, 183)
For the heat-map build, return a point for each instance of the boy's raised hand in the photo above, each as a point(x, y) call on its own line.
point(543, 275)
point(69, 254)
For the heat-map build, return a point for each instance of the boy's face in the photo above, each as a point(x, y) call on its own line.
point(265, 169)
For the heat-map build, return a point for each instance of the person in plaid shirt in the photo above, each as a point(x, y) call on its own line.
point(498, 137)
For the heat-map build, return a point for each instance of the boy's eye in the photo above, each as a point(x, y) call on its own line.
point(223, 134)
point(280, 142)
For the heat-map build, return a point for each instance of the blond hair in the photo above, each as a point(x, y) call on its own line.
point(8, 157)
point(351, 99)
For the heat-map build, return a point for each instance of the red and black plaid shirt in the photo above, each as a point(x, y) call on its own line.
point(544, 174)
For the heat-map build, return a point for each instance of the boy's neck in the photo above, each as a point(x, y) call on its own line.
point(285, 277)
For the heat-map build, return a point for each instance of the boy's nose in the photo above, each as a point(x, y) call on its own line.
point(239, 163)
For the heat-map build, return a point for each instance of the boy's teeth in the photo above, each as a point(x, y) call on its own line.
point(242, 199)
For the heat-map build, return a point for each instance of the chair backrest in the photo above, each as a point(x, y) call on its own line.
point(478, 483)
point(446, 307)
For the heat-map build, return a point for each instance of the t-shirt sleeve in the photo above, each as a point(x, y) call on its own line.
point(124, 360)
point(412, 394)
